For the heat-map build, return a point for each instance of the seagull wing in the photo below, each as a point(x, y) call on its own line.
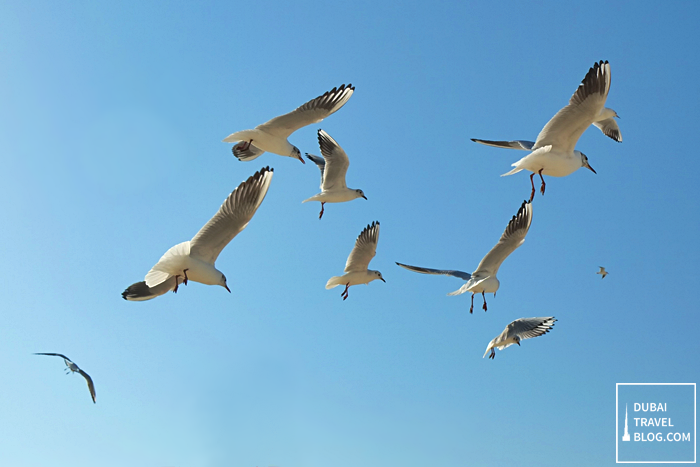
point(609, 128)
point(443, 272)
point(567, 126)
point(526, 328)
point(248, 154)
point(56, 355)
point(320, 163)
point(91, 385)
point(312, 112)
point(336, 163)
point(365, 249)
point(140, 291)
point(518, 144)
point(233, 216)
point(512, 238)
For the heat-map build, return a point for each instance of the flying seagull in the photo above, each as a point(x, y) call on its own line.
point(73, 368)
point(356, 271)
point(272, 136)
point(523, 328)
point(194, 260)
point(484, 279)
point(602, 272)
point(553, 153)
point(334, 165)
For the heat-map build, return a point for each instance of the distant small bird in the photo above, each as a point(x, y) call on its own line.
point(72, 367)
point(554, 151)
point(272, 136)
point(334, 165)
point(484, 279)
point(602, 272)
point(195, 259)
point(358, 262)
point(523, 328)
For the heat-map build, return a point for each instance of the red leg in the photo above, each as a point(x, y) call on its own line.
point(483, 295)
point(471, 309)
point(321, 215)
point(532, 182)
point(186, 279)
point(176, 284)
point(345, 292)
point(543, 184)
point(245, 145)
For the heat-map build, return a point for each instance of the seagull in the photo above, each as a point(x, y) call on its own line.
point(72, 367)
point(356, 271)
point(194, 260)
point(484, 279)
point(553, 153)
point(334, 165)
point(602, 272)
point(272, 135)
point(523, 328)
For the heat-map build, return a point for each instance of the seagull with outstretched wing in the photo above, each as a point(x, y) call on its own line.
point(553, 153)
point(272, 136)
point(484, 279)
point(523, 328)
point(73, 368)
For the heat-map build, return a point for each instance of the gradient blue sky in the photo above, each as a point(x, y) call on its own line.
point(111, 121)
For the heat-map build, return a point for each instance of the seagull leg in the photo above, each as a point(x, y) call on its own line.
point(176, 284)
point(321, 215)
point(483, 295)
point(245, 145)
point(186, 279)
point(493, 353)
point(471, 309)
point(541, 178)
point(532, 182)
point(345, 292)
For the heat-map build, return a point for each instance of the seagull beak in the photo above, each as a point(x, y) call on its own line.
point(364, 196)
point(226, 287)
point(383, 280)
point(518, 343)
point(301, 159)
point(591, 169)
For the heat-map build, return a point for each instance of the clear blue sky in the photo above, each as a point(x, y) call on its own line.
point(111, 121)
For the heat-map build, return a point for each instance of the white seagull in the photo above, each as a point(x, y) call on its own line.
point(194, 260)
point(484, 279)
point(272, 136)
point(73, 368)
point(334, 165)
point(553, 153)
point(356, 271)
point(602, 272)
point(523, 328)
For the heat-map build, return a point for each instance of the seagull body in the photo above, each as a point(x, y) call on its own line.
point(333, 165)
point(194, 260)
point(523, 328)
point(356, 271)
point(272, 136)
point(484, 279)
point(553, 153)
point(73, 368)
point(602, 272)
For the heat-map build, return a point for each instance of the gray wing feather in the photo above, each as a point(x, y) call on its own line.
point(56, 355)
point(512, 238)
point(312, 112)
point(91, 385)
point(527, 328)
point(139, 291)
point(320, 163)
point(609, 128)
point(364, 250)
point(517, 144)
point(443, 272)
point(233, 216)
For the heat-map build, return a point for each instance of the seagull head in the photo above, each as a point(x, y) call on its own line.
point(360, 194)
point(517, 339)
point(222, 283)
point(584, 162)
point(297, 154)
point(379, 276)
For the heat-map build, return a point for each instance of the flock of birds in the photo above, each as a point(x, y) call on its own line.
point(552, 154)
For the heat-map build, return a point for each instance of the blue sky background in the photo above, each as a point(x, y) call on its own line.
point(111, 121)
